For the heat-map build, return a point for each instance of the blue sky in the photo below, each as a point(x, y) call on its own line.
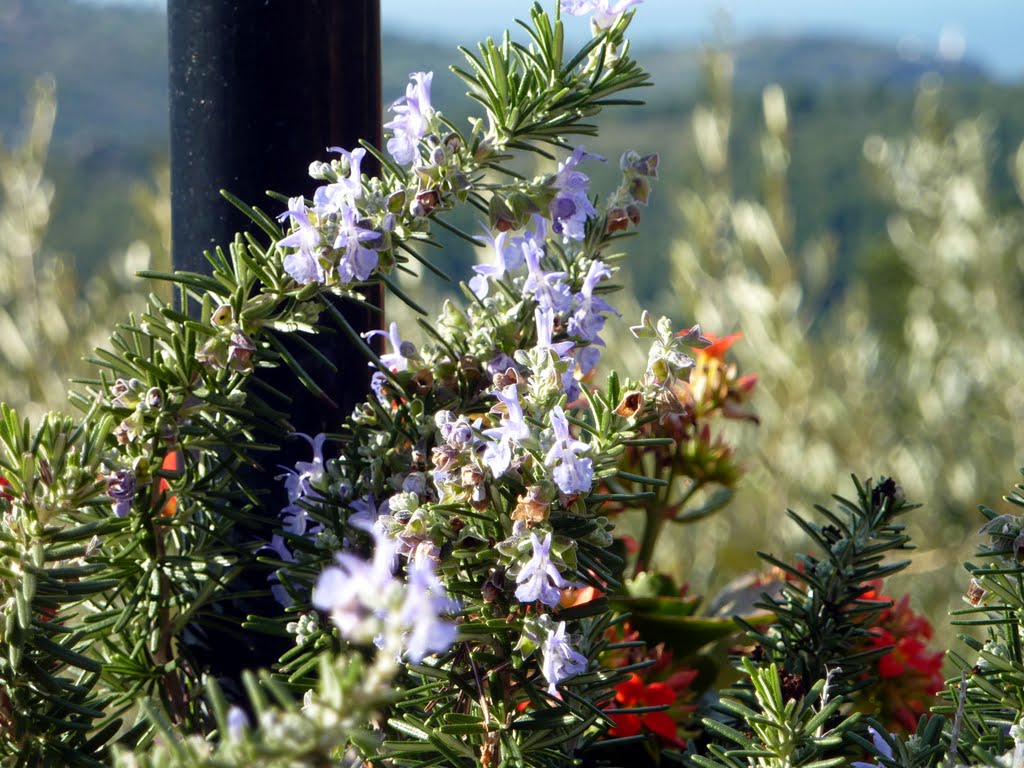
point(987, 31)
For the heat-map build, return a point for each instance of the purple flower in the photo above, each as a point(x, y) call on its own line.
point(572, 474)
point(365, 513)
point(356, 592)
point(547, 288)
point(413, 113)
point(560, 660)
point(458, 433)
point(238, 722)
point(545, 320)
point(606, 12)
point(500, 363)
point(571, 207)
point(403, 351)
point(880, 744)
point(298, 484)
point(357, 262)
point(586, 358)
point(303, 265)
point(511, 430)
point(588, 319)
point(335, 197)
point(540, 579)
point(279, 548)
point(425, 603)
point(121, 490)
point(507, 260)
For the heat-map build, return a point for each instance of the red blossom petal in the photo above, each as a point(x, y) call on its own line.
point(661, 724)
point(889, 666)
point(625, 725)
point(658, 694)
point(631, 691)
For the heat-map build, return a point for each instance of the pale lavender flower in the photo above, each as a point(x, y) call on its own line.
point(539, 578)
point(365, 513)
point(298, 484)
point(238, 722)
point(587, 320)
point(586, 358)
point(304, 264)
point(560, 660)
point(880, 744)
point(458, 432)
point(545, 320)
point(278, 547)
point(332, 198)
point(547, 288)
point(500, 363)
point(572, 473)
point(402, 351)
point(506, 258)
point(356, 593)
point(422, 612)
point(511, 430)
point(571, 207)
point(357, 261)
point(606, 12)
point(413, 112)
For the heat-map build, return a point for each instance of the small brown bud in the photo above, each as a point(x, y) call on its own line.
point(422, 381)
point(444, 457)
point(472, 475)
point(425, 203)
point(631, 402)
point(531, 509)
point(502, 380)
point(618, 220)
point(975, 593)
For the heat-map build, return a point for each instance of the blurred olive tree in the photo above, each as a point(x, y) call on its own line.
point(937, 405)
point(48, 320)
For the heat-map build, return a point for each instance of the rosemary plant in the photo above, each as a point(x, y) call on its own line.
point(471, 477)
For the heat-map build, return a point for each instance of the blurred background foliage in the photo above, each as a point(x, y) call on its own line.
point(859, 222)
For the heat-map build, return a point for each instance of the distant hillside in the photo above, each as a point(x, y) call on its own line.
point(110, 64)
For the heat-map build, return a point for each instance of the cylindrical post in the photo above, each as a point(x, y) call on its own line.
point(258, 90)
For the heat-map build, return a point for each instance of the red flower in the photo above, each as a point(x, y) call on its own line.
point(634, 693)
point(909, 675)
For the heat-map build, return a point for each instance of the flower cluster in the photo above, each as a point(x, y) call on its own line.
point(909, 673)
point(367, 603)
point(478, 435)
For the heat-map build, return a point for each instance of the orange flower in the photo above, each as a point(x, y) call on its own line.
point(719, 346)
point(635, 693)
point(573, 596)
point(170, 464)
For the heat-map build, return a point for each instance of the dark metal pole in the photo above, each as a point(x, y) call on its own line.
point(258, 90)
